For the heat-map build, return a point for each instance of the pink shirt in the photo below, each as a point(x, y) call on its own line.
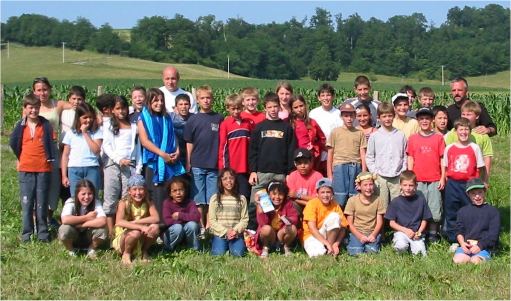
point(426, 151)
point(303, 185)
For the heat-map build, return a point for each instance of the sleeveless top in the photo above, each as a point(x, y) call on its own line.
point(131, 213)
point(52, 117)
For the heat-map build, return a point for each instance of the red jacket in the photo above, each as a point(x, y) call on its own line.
point(287, 209)
point(234, 144)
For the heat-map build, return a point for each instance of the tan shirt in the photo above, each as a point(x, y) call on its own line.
point(346, 144)
point(364, 216)
point(408, 126)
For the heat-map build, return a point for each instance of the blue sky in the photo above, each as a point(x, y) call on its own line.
point(124, 14)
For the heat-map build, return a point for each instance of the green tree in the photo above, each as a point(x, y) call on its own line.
point(322, 68)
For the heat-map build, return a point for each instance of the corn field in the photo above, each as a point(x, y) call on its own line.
point(497, 103)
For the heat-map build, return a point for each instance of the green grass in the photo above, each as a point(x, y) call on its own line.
point(42, 271)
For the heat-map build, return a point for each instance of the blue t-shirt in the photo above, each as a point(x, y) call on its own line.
point(201, 130)
point(409, 211)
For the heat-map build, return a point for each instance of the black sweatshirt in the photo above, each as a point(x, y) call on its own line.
point(272, 144)
point(481, 223)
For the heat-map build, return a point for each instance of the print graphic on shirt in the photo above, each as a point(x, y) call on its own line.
point(272, 134)
point(461, 163)
point(214, 127)
point(424, 149)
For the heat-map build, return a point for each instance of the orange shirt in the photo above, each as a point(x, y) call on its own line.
point(316, 211)
point(33, 156)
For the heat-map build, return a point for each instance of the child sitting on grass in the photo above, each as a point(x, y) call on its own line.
point(408, 215)
point(136, 227)
point(364, 213)
point(277, 227)
point(477, 226)
point(83, 221)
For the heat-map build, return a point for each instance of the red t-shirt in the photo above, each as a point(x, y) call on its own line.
point(303, 185)
point(256, 117)
point(462, 162)
point(234, 144)
point(426, 151)
point(32, 157)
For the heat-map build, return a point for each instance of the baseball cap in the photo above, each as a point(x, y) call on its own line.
point(399, 96)
point(474, 183)
point(324, 182)
point(424, 111)
point(347, 107)
point(302, 153)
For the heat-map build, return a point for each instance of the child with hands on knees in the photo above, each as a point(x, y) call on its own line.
point(136, 227)
point(364, 212)
point(83, 220)
point(278, 226)
point(228, 216)
point(324, 223)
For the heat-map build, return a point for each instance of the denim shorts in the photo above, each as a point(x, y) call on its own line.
point(483, 253)
point(344, 181)
point(204, 183)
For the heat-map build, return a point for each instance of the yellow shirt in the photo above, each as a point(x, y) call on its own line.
point(316, 211)
point(408, 126)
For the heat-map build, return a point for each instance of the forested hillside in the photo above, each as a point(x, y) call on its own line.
point(471, 42)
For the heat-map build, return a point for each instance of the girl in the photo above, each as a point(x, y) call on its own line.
point(307, 131)
point(363, 115)
point(136, 227)
point(364, 213)
point(83, 220)
point(51, 109)
point(82, 146)
point(180, 213)
point(121, 147)
point(138, 94)
point(284, 90)
point(279, 225)
point(228, 216)
point(160, 153)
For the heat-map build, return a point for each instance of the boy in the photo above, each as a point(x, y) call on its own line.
point(471, 110)
point(302, 181)
point(31, 141)
point(462, 161)
point(426, 97)
point(270, 156)
point(234, 142)
point(362, 88)
point(425, 150)
point(387, 162)
point(364, 212)
point(201, 136)
point(346, 155)
point(327, 117)
point(410, 92)
point(105, 104)
point(250, 98)
point(401, 121)
point(324, 225)
point(179, 117)
point(138, 95)
point(477, 226)
point(408, 215)
point(440, 119)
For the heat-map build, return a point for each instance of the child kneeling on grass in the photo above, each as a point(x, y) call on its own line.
point(323, 222)
point(408, 215)
point(136, 222)
point(278, 226)
point(83, 220)
point(477, 226)
point(364, 213)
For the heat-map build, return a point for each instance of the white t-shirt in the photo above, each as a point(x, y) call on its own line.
point(66, 119)
point(327, 120)
point(80, 154)
point(69, 208)
point(170, 99)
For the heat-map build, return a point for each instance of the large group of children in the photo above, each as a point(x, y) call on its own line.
point(257, 181)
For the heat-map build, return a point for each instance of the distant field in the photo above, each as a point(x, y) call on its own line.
point(124, 34)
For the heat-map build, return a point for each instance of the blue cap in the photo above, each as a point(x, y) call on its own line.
point(324, 182)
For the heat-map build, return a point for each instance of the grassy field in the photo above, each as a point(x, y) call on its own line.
point(43, 271)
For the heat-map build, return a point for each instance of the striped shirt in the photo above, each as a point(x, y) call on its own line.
point(229, 215)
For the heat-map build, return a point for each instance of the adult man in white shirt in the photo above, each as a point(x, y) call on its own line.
point(170, 89)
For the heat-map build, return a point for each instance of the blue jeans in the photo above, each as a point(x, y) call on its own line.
point(356, 247)
point(344, 181)
point(34, 187)
point(235, 246)
point(177, 233)
point(76, 174)
point(204, 184)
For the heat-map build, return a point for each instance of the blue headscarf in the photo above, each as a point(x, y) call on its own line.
point(160, 131)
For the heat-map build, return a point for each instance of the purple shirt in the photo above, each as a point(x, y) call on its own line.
point(187, 212)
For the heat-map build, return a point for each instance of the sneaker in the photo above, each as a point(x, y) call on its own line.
point(91, 254)
point(71, 253)
point(453, 247)
point(202, 234)
point(287, 251)
point(265, 252)
point(159, 241)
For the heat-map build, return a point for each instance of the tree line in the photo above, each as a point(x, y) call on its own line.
point(472, 41)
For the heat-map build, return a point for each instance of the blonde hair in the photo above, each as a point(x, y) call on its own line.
point(249, 91)
point(204, 88)
point(462, 122)
point(233, 100)
point(471, 106)
point(426, 91)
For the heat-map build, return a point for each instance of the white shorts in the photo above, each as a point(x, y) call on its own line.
point(312, 245)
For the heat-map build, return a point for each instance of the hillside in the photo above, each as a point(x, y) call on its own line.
point(29, 62)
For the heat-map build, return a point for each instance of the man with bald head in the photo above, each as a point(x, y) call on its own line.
point(170, 89)
point(459, 92)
